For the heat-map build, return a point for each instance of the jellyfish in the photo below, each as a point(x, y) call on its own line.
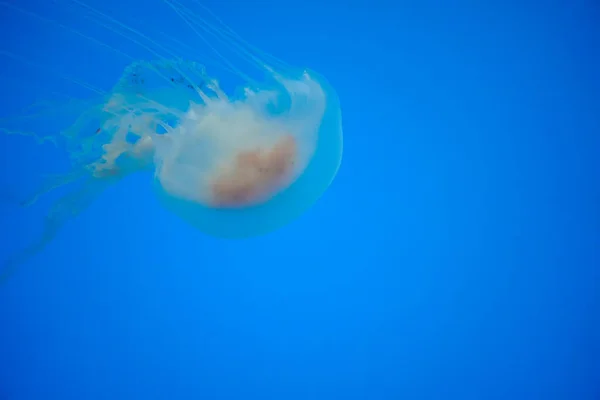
point(233, 164)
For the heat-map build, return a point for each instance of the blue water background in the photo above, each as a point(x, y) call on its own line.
point(455, 256)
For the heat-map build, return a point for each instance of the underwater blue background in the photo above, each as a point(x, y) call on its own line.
point(455, 256)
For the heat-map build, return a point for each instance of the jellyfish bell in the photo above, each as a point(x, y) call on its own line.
point(232, 166)
point(235, 169)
